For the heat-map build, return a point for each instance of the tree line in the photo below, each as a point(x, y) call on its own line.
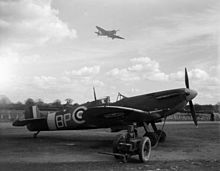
point(56, 105)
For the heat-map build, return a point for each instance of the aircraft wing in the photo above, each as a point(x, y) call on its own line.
point(101, 29)
point(108, 115)
point(117, 37)
point(26, 121)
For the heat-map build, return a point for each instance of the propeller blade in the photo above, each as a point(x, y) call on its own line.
point(193, 113)
point(192, 109)
point(186, 79)
point(94, 93)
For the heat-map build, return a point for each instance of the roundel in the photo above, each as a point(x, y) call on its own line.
point(77, 114)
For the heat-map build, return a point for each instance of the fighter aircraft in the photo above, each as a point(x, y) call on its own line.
point(110, 33)
point(101, 113)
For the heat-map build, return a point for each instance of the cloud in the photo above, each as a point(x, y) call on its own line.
point(88, 81)
point(123, 74)
point(137, 67)
point(45, 82)
point(142, 60)
point(199, 74)
point(13, 57)
point(140, 68)
point(26, 28)
point(206, 84)
point(27, 22)
point(85, 71)
point(85, 76)
point(195, 74)
point(192, 27)
point(144, 68)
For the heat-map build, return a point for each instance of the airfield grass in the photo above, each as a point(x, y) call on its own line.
point(109, 166)
point(186, 148)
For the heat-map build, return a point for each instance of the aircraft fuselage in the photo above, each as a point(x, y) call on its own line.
point(72, 118)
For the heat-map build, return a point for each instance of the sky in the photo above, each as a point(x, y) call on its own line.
point(49, 51)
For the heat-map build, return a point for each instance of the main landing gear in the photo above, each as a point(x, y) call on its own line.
point(124, 146)
point(156, 136)
point(35, 134)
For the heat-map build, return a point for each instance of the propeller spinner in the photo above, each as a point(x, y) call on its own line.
point(190, 95)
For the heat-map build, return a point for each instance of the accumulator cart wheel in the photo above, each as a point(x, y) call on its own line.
point(119, 138)
point(144, 149)
point(153, 138)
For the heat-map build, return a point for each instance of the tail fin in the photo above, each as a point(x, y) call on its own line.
point(32, 112)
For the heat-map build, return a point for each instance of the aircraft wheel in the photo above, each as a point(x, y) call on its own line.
point(117, 140)
point(153, 138)
point(162, 135)
point(144, 149)
point(124, 159)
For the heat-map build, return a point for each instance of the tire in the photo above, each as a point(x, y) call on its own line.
point(124, 159)
point(116, 141)
point(144, 149)
point(161, 135)
point(153, 138)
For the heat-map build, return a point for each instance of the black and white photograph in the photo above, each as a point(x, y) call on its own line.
point(109, 85)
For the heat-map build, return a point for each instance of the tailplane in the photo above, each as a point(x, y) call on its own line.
point(31, 115)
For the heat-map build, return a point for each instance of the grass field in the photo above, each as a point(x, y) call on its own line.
point(186, 148)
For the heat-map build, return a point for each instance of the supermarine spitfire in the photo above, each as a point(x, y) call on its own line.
point(142, 110)
point(108, 33)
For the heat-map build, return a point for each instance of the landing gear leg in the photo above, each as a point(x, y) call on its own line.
point(154, 126)
point(160, 133)
point(35, 134)
point(146, 127)
point(151, 135)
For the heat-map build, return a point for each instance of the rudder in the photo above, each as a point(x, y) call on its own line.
point(32, 112)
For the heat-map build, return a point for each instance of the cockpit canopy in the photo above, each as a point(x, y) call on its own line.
point(99, 102)
point(104, 101)
point(120, 96)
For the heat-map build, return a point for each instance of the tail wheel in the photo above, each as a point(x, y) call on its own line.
point(153, 138)
point(119, 138)
point(144, 149)
point(161, 135)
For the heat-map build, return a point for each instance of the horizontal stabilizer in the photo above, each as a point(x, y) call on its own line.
point(26, 121)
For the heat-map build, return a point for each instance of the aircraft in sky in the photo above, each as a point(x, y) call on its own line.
point(108, 33)
point(101, 113)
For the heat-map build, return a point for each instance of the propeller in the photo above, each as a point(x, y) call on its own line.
point(192, 109)
point(94, 93)
point(186, 79)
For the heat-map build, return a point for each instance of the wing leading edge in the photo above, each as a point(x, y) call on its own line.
point(101, 29)
point(114, 114)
